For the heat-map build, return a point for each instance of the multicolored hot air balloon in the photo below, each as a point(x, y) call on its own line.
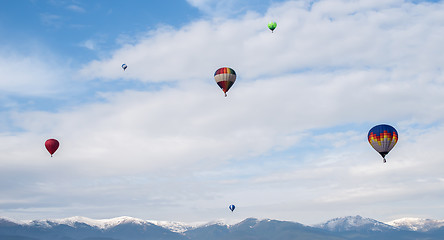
point(225, 78)
point(232, 207)
point(383, 138)
point(124, 66)
point(272, 26)
point(51, 145)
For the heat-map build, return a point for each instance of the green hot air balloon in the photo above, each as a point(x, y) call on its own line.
point(272, 26)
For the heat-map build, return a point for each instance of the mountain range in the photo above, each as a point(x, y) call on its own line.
point(128, 228)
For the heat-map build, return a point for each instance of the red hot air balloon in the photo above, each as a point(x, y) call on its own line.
point(51, 145)
point(225, 78)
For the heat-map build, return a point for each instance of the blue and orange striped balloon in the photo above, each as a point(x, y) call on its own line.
point(225, 78)
point(383, 138)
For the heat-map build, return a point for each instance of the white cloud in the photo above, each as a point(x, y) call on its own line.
point(31, 74)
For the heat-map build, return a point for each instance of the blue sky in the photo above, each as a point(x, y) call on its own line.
point(159, 141)
point(66, 25)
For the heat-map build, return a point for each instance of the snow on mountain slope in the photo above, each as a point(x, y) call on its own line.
point(99, 223)
point(416, 224)
point(350, 223)
point(178, 227)
point(9, 221)
point(354, 223)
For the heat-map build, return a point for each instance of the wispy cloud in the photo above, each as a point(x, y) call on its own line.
point(51, 20)
point(234, 8)
point(89, 44)
point(31, 75)
point(76, 8)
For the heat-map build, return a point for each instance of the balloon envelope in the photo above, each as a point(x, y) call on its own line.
point(225, 78)
point(232, 207)
point(383, 138)
point(272, 26)
point(124, 66)
point(51, 145)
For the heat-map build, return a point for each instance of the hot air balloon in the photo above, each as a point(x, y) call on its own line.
point(272, 26)
point(124, 66)
point(232, 207)
point(383, 138)
point(51, 145)
point(225, 78)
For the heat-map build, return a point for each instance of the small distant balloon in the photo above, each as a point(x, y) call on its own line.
point(232, 207)
point(383, 138)
point(225, 78)
point(52, 145)
point(272, 26)
point(124, 66)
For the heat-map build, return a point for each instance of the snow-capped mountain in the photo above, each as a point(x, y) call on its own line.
point(107, 223)
point(128, 228)
point(80, 228)
point(354, 223)
point(417, 224)
point(255, 229)
point(98, 223)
